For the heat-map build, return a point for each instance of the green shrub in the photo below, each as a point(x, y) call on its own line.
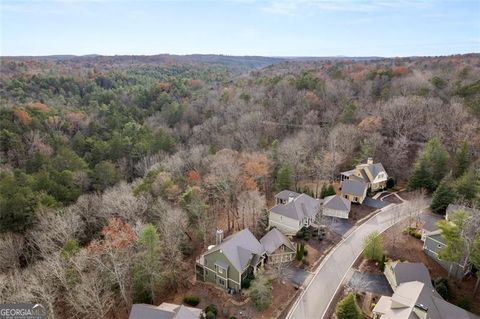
point(191, 300)
point(442, 287)
point(300, 251)
point(381, 265)
point(211, 308)
point(412, 231)
point(210, 315)
point(247, 281)
point(348, 308)
point(300, 234)
point(465, 303)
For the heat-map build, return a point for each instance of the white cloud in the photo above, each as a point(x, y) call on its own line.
point(293, 7)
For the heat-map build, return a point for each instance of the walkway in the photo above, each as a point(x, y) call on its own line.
point(315, 299)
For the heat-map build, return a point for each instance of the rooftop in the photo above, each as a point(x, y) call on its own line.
point(302, 206)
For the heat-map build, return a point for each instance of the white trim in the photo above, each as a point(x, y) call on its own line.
point(227, 278)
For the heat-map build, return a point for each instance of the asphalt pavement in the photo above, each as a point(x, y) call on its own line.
point(315, 299)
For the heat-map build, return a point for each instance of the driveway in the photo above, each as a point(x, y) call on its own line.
point(374, 283)
point(375, 203)
point(318, 294)
point(338, 225)
point(430, 220)
point(296, 275)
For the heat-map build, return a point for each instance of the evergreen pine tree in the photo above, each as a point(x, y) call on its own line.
point(421, 177)
point(462, 159)
point(444, 194)
point(284, 177)
point(348, 308)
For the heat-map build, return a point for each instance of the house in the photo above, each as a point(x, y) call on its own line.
point(433, 242)
point(336, 206)
point(284, 196)
point(371, 173)
point(164, 311)
point(277, 247)
point(229, 261)
point(293, 212)
point(355, 190)
point(398, 273)
point(414, 296)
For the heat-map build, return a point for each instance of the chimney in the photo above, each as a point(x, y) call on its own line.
point(219, 237)
point(370, 160)
point(420, 310)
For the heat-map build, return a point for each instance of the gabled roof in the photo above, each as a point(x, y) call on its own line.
point(405, 272)
point(410, 277)
point(285, 194)
point(337, 203)
point(375, 169)
point(409, 294)
point(355, 188)
point(303, 206)
point(239, 247)
point(364, 175)
point(274, 239)
point(164, 311)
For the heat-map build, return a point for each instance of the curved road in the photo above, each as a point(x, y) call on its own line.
point(315, 299)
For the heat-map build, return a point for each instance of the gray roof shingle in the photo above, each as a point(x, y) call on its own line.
point(164, 311)
point(405, 272)
point(274, 239)
point(239, 247)
point(303, 206)
point(285, 194)
point(337, 203)
point(355, 188)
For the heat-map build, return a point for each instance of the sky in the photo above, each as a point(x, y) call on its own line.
point(240, 27)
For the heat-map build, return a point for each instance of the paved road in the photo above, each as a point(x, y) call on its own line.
point(315, 299)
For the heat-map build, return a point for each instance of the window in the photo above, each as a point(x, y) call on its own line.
point(221, 282)
point(220, 270)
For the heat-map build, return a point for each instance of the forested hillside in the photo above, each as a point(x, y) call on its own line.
point(93, 149)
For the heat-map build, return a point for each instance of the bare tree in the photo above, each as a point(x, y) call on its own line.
point(250, 204)
point(11, 246)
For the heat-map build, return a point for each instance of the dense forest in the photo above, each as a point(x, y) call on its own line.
point(116, 171)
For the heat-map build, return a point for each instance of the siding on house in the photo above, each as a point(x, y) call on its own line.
point(214, 273)
point(431, 247)
point(335, 213)
point(354, 199)
point(286, 225)
point(282, 254)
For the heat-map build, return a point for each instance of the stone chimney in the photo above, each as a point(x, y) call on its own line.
point(420, 310)
point(370, 160)
point(219, 236)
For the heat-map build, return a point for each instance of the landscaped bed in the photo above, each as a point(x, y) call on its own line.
point(283, 293)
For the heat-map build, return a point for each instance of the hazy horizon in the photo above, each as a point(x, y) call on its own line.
point(285, 28)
